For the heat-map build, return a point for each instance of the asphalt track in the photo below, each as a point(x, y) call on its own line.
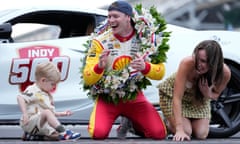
point(12, 134)
point(126, 141)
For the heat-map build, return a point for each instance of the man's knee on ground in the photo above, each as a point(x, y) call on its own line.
point(99, 134)
point(158, 133)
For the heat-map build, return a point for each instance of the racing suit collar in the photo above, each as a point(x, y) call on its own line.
point(123, 39)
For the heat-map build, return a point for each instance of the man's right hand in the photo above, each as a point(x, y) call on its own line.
point(103, 59)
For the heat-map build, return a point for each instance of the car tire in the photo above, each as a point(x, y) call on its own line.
point(225, 120)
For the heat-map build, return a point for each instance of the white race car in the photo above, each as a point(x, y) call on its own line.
point(30, 36)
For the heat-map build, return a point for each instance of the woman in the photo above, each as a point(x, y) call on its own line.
point(185, 96)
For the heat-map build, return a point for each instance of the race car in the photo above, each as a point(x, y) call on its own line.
point(32, 35)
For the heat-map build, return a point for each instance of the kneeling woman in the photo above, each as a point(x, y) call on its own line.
point(185, 96)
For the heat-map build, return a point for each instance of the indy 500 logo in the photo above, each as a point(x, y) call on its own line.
point(23, 68)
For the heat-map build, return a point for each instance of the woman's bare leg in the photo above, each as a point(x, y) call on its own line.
point(186, 125)
point(200, 128)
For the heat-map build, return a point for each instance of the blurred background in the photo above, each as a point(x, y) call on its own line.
point(193, 14)
point(198, 14)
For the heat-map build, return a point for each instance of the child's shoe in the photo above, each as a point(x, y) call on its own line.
point(69, 135)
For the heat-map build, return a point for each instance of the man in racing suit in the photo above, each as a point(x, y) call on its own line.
point(115, 49)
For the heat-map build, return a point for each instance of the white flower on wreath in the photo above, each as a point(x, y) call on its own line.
point(146, 29)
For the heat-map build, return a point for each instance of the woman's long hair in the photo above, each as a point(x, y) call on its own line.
point(215, 63)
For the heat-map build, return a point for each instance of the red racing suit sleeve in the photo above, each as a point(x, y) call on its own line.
point(91, 72)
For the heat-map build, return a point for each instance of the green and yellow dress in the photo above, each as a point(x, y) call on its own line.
point(189, 108)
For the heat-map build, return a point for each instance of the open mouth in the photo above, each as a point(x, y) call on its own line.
point(198, 71)
point(114, 26)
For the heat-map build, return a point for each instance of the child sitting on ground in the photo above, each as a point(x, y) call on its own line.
point(39, 117)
